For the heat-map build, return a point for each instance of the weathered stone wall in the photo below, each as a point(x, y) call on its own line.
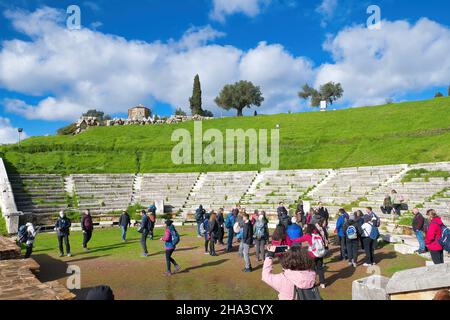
point(8, 249)
point(7, 203)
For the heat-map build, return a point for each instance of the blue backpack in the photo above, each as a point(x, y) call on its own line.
point(444, 241)
point(22, 234)
point(375, 233)
point(175, 236)
point(351, 233)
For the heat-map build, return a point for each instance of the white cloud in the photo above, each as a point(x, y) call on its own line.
point(223, 8)
point(327, 9)
point(373, 65)
point(83, 69)
point(9, 134)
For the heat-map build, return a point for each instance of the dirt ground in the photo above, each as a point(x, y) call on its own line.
point(202, 277)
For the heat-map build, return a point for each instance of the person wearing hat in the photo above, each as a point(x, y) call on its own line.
point(124, 223)
point(170, 245)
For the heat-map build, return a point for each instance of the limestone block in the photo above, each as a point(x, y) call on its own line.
point(370, 288)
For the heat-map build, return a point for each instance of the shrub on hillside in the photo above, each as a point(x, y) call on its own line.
point(438, 95)
point(67, 130)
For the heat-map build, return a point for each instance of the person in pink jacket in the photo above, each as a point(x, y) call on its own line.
point(297, 272)
point(434, 233)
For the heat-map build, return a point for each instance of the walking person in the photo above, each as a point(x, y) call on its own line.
point(369, 236)
point(221, 222)
point(418, 225)
point(213, 230)
point(87, 226)
point(247, 241)
point(353, 234)
point(62, 228)
point(124, 223)
point(317, 250)
point(200, 218)
point(341, 221)
point(171, 239)
point(229, 224)
point(433, 236)
point(261, 235)
point(144, 231)
point(298, 273)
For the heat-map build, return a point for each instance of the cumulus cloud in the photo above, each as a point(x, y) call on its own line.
point(374, 65)
point(223, 8)
point(76, 70)
point(8, 134)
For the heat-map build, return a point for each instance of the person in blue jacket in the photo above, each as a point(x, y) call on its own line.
point(229, 223)
point(294, 232)
point(342, 219)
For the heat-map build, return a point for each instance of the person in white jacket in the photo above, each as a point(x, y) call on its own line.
point(369, 243)
point(31, 235)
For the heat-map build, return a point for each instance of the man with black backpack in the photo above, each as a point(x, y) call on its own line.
point(144, 230)
point(62, 228)
point(199, 218)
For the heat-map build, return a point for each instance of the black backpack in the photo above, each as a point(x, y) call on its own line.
point(306, 294)
point(23, 234)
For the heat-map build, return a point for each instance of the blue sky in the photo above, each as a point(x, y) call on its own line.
point(46, 82)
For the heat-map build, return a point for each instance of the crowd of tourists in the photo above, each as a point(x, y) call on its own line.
point(300, 241)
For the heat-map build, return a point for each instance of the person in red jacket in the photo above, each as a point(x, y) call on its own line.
point(434, 233)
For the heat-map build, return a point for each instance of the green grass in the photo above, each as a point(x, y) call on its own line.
point(3, 231)
point(409, 132)
point(425, 174)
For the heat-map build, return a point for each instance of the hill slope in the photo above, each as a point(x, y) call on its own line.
point(409, 132)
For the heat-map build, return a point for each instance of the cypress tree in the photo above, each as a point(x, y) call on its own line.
point(196, 99)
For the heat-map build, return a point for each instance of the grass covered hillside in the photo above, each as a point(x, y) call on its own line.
point(409, 132)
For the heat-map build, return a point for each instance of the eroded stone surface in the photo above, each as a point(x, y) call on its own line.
point(8, 249)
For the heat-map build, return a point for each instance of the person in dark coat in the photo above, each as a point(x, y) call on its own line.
point(353, 239)
point(124, 224)
point(199, 218)
point(145, 231)
point(283, 215)
point(247, 241)
point(87, 226)
point(418, 225)
point(221, 222)
point(62, 228)
point(213, 230)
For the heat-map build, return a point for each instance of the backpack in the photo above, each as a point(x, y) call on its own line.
point(374, 233)
point(175, 236)
point(377, 222)
point(198, 214)
point(351, 233)
point(236, 227)
point(444, 241)
point(23, 234)
point(259, 230)
point(306, 294)
point(318, 246)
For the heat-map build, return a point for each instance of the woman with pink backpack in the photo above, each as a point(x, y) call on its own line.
point(317, 250)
